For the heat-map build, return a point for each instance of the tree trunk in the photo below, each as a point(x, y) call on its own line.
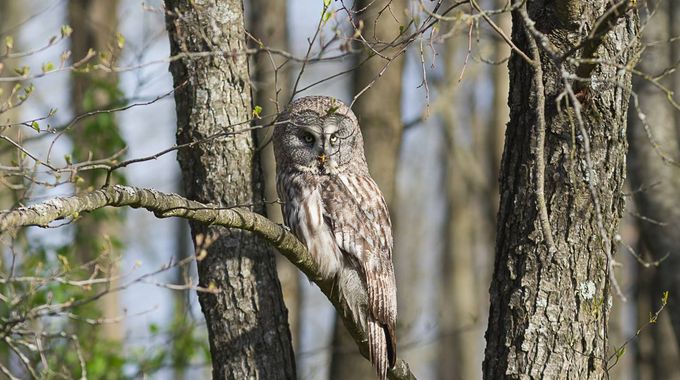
point(500, 113)
point(267, 24)
point(246, 318)
point(95, 24)
point(655, 182)
point(459, 305)
point(181, 297)
point(382, 129)
point(550, 292)
point(11, 192)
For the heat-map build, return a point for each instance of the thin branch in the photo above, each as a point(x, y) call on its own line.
point(540, 135)
point(500, 32)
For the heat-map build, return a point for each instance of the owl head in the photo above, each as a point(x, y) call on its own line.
point(321, 135)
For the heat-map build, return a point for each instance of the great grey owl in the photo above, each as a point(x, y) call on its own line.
point(331, 203)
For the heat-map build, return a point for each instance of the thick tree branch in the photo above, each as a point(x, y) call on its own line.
point(165, 205)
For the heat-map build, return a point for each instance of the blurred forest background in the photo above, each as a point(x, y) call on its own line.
point(434, 122)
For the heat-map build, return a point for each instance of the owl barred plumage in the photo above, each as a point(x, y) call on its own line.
point(334, 207)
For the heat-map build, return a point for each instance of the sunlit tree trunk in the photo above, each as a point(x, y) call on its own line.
point(95, 24)
point(11, 187)
point(550, 292)
point(379, 113)
point(458, 356)
point(501, 112)
point(246, 316)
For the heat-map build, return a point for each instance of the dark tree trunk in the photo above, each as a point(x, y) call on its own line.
point(382, 129)
point(655, 180)
point(246, 318)
point(549, 306)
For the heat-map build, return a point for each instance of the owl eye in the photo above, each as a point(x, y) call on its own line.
point(308, 138)
point(334, 138)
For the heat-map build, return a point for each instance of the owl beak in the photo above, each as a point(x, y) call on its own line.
point(322, 158)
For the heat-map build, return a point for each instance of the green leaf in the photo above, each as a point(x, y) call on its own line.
point(23, 71)
point(332, 110)
point(120, 40)
point(66, 31)
point(326, 3)
point(47, 67)
point(64, 262)
point(27, 92)
point(9, 42)
point(620, 352)
point(257, 110)
point(35, 126)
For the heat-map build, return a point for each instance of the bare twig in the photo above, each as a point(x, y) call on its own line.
point(540, 136)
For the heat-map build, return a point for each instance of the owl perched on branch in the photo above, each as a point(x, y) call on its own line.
point(334, 207)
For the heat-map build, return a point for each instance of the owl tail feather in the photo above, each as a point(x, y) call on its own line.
point(381, 348)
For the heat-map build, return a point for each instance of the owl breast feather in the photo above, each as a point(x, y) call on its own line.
point(304, 212)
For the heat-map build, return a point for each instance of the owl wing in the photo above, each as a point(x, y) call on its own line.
point(357, 215)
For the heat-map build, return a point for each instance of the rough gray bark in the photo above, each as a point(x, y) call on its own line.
point(549, 306)
point(268, 24)
point(379, 113)
point(247, 319)
point(654, 136)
